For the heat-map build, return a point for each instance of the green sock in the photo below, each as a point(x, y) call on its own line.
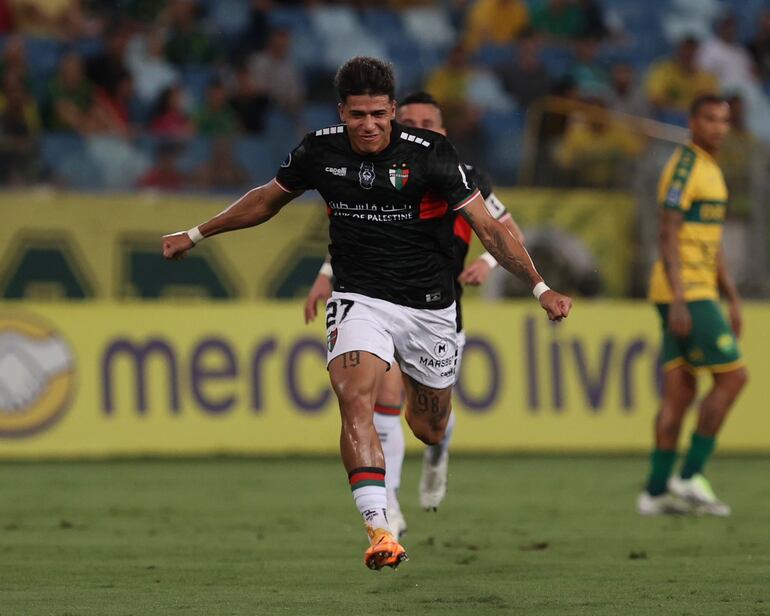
point(662, 461)
point(701, 448)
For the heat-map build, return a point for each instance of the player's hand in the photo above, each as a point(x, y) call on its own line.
point(679, 319)
point(736, 320)
point(176, 245)
point(556, 305)
point(475, 274)
point(320, 291)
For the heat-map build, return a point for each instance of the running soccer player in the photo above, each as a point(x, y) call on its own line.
point(391, 249)
point(685, 286)
point(421, 110)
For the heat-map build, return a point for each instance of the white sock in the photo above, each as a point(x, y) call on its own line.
point(368, 486)
point(436, 451)
point(391, 434)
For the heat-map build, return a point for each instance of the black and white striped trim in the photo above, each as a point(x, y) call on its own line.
point(330, 130)
point(408, 137)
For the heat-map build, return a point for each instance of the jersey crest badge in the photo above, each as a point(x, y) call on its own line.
point(366, 175)
point(399, 176)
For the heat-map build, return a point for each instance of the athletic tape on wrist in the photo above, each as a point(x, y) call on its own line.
point(539, 289)
point(489, 259)
point(195, 235)
point(326, 270)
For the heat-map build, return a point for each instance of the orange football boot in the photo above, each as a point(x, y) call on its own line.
point(385, 550)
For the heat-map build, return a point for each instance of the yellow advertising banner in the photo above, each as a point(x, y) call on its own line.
point(106, 378)
point(92, 246)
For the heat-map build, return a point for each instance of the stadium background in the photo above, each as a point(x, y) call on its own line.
point(125, 120)
point(121, 120)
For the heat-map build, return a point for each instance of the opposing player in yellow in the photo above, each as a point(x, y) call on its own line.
point(685, 287)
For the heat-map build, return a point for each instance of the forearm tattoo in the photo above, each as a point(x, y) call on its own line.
point(515, 264)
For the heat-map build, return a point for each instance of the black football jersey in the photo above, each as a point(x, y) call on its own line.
point(390, 214)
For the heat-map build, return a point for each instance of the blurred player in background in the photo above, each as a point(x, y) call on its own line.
point(685, 286)
point(390, 191)
point(421, 110)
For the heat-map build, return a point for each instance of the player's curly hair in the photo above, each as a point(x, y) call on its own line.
point(365, 75)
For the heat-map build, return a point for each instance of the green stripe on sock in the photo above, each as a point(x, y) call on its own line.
point(701, 448)
point(368, 482)
point(661, 463)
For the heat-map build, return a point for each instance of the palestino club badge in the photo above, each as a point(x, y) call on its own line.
point(331, 339)
point(399, 176)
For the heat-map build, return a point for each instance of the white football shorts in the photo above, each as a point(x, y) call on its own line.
point(423, 341)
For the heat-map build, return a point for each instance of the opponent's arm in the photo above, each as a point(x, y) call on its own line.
point(320, 291)
point(478, 271)
point(511, 254)
point(254, 208)
point(727, 285)
point(679, 320)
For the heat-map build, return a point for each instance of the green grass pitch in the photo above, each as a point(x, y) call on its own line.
point(517, 535)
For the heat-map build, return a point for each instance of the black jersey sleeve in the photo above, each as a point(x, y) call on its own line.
point(482, 180)
point(448, 176)
point(294, 174)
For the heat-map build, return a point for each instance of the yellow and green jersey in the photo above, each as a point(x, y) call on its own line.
point(692, 183)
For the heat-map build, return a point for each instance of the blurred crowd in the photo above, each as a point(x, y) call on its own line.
point(210, 94)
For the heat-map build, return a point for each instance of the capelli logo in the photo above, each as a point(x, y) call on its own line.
point(37, 370)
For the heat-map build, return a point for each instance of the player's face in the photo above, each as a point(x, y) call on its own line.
point(711, 125)
point(368, 121)
point(421, 115)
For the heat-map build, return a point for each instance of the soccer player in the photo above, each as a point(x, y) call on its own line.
point(389, 191)
point(685, 286)
point(421, 110)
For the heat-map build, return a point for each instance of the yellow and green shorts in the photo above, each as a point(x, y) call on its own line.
point(711, 344)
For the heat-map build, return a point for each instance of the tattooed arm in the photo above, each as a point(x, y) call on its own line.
point(511, 254)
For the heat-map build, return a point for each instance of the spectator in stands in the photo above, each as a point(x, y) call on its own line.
point(726, 58)
point(495, 22)
point(6, 17)
point(257, 31)
point(107, 68)
point(558, 19)
point(187, 43)
point(589, 74)
point(170, 118)
point(624, 94)
point(594, 25)
point(116, 106)
point(450, 85)
point(151, 71)
point(221, 171)
point(596, 150)
point(737, 157)
point(19, 129)
point(14, 59)
point(274, 72)
point(759, 46)
point(61, 19)
point(526, 79)
point(71, 98)
point(249, 102)
point(672, 84)
point(165, 173)
point(216, 117)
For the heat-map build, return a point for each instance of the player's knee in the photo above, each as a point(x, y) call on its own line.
point(355, 404)
point(733, 382)
point(669, 424)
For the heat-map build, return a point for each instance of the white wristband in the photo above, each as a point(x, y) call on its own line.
point(539, 289)
point(489, 259)
point(195, 235)
point(326, 270)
